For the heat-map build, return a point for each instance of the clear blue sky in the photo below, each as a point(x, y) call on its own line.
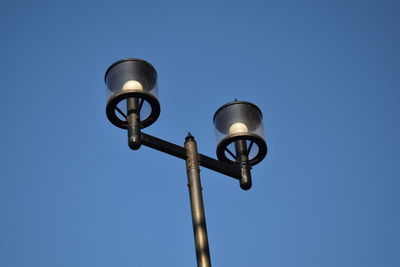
point(326, 75)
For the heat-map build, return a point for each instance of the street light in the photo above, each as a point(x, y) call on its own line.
point(239, 128)
point(133, 105)
point(132, 88)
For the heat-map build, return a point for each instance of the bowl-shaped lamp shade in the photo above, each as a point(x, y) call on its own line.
point(240, 122)
point(132, 78)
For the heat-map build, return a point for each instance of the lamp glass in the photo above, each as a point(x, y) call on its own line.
point(131, 75)
point(239, 120)
point(127, 78)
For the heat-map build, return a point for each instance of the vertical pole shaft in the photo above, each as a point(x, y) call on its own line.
point(196, 203)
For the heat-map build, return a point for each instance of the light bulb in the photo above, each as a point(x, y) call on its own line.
point(238, 127)
point(132, 85)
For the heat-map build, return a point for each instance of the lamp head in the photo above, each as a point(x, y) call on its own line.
point(132, 78)
point(239, 131)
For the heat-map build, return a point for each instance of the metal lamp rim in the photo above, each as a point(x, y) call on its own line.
point(128, 59)
point(258, 140)
point(234, 103)
point(122, 95)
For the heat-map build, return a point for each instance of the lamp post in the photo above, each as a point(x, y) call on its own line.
point(133, 105)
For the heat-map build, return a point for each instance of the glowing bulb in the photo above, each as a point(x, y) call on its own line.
point(238, 127)
point(132, 85)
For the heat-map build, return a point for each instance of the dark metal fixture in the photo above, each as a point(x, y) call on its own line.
point(239, 132)
point(133, 105)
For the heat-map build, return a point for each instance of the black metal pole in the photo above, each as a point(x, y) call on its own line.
point(196, 203)
point(232, 170)
point(133, 118)
point(243, 160)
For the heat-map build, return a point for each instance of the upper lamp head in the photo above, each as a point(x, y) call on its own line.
point(240, 122)
point(132, 78)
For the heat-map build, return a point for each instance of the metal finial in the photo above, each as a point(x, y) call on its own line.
point(189, 137)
